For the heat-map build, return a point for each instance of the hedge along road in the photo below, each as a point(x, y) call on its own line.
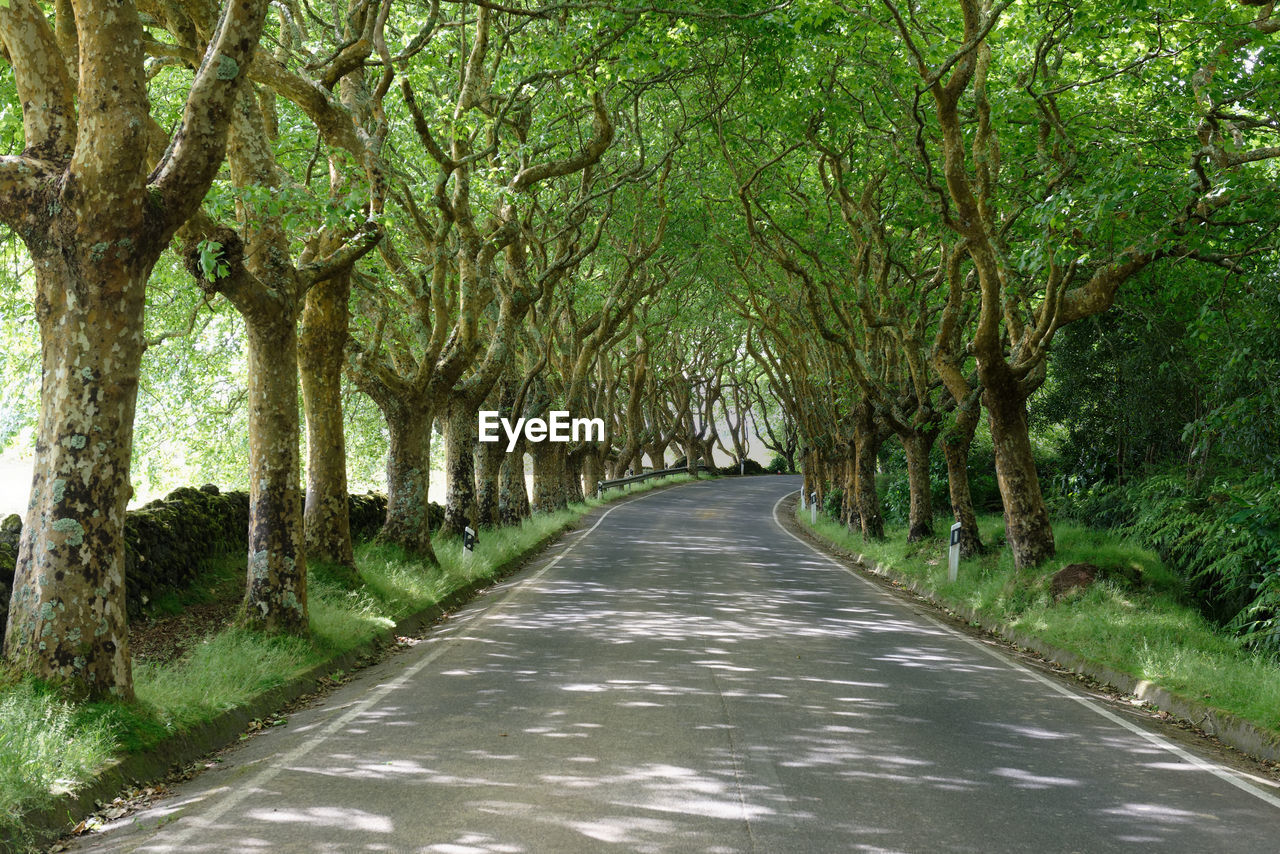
point(686, 675)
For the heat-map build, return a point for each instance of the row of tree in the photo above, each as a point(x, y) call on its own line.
point(451, 207)
point(827, 226)
point(929, 196)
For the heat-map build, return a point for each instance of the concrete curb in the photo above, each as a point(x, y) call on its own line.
point(1246, 737)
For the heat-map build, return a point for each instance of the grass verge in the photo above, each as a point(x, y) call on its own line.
point(1132, 621)
point(49, 747)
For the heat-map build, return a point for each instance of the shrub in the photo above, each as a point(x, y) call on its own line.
point(1221, 538)
point(895, 494)
point(778, 465)
point(833, 502)
point(749, 466)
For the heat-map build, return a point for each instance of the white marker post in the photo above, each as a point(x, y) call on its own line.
point(469, 540)
point(802, 504)
point(813, 508)
point(953, 554)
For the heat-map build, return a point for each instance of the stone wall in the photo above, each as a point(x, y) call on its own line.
point(167, 540)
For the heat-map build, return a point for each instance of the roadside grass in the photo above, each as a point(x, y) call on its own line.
point(49, 746)
point(1132, 620)
point(45, 749)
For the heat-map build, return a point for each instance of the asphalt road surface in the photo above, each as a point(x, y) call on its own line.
point(688, 676)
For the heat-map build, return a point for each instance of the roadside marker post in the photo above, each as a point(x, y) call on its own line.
point(953, 554)
point(813, 508)
point(469, 540)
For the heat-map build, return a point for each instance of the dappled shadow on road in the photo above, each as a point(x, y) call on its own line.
point(721, 693)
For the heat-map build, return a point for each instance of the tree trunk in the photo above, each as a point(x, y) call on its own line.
point(852, 518)
point(488, 458)
point(624, 462)
point(488, 463)
point(807, 474)
point(408, 479)
point(866, 448)
point(67, 621)
point(513, 500)
point(95, 216)
point(573, 477)
point(276, 593)
point(918, 446)
point(592, 471)
point(691, 456)
point(321, 340)
point(548, 477)
point(1027, 527)
point(460, 489)
point(955, 447)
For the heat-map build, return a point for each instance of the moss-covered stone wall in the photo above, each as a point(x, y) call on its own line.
point(167, 540)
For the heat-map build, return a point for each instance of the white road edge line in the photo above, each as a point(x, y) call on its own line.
point(1224, 774)
point(254, 785)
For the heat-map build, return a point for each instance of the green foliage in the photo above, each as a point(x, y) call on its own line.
point(832, 502)
point(45, 749)
point(777, 465)
point(1221, 537)
point(210, 257)
point(19, 349)
point(1238, 351)
point(1139, 627)
point(1123, 388)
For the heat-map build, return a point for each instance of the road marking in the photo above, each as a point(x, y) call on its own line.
point(1222, 773)
point(254, 786)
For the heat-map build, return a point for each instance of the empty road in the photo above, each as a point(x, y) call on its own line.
point(686, 676)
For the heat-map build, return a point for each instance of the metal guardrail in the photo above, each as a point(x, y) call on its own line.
point(602, 485)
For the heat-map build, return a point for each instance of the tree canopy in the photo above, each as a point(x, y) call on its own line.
point(295, 248)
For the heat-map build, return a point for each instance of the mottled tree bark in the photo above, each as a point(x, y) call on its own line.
point(513, 498)
point(67, 619)
point(592, 472)
point(95, 217)
point(808, 474)
point(1027, 527)
point(629, 455)
point(549, 474)
point(276, 592)
point(955, 447)
point(408, 478)
point(691, 455)
point(266, 287)
point(573, 464)
point(459, 449)
point(918, 446)
point(322, 339)
point(866, 447)
point(852, 519)
point(488, 467)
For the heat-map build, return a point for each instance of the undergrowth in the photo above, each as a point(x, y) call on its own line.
point(46, 748)
point(1221, 535)
point(1135, 619)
